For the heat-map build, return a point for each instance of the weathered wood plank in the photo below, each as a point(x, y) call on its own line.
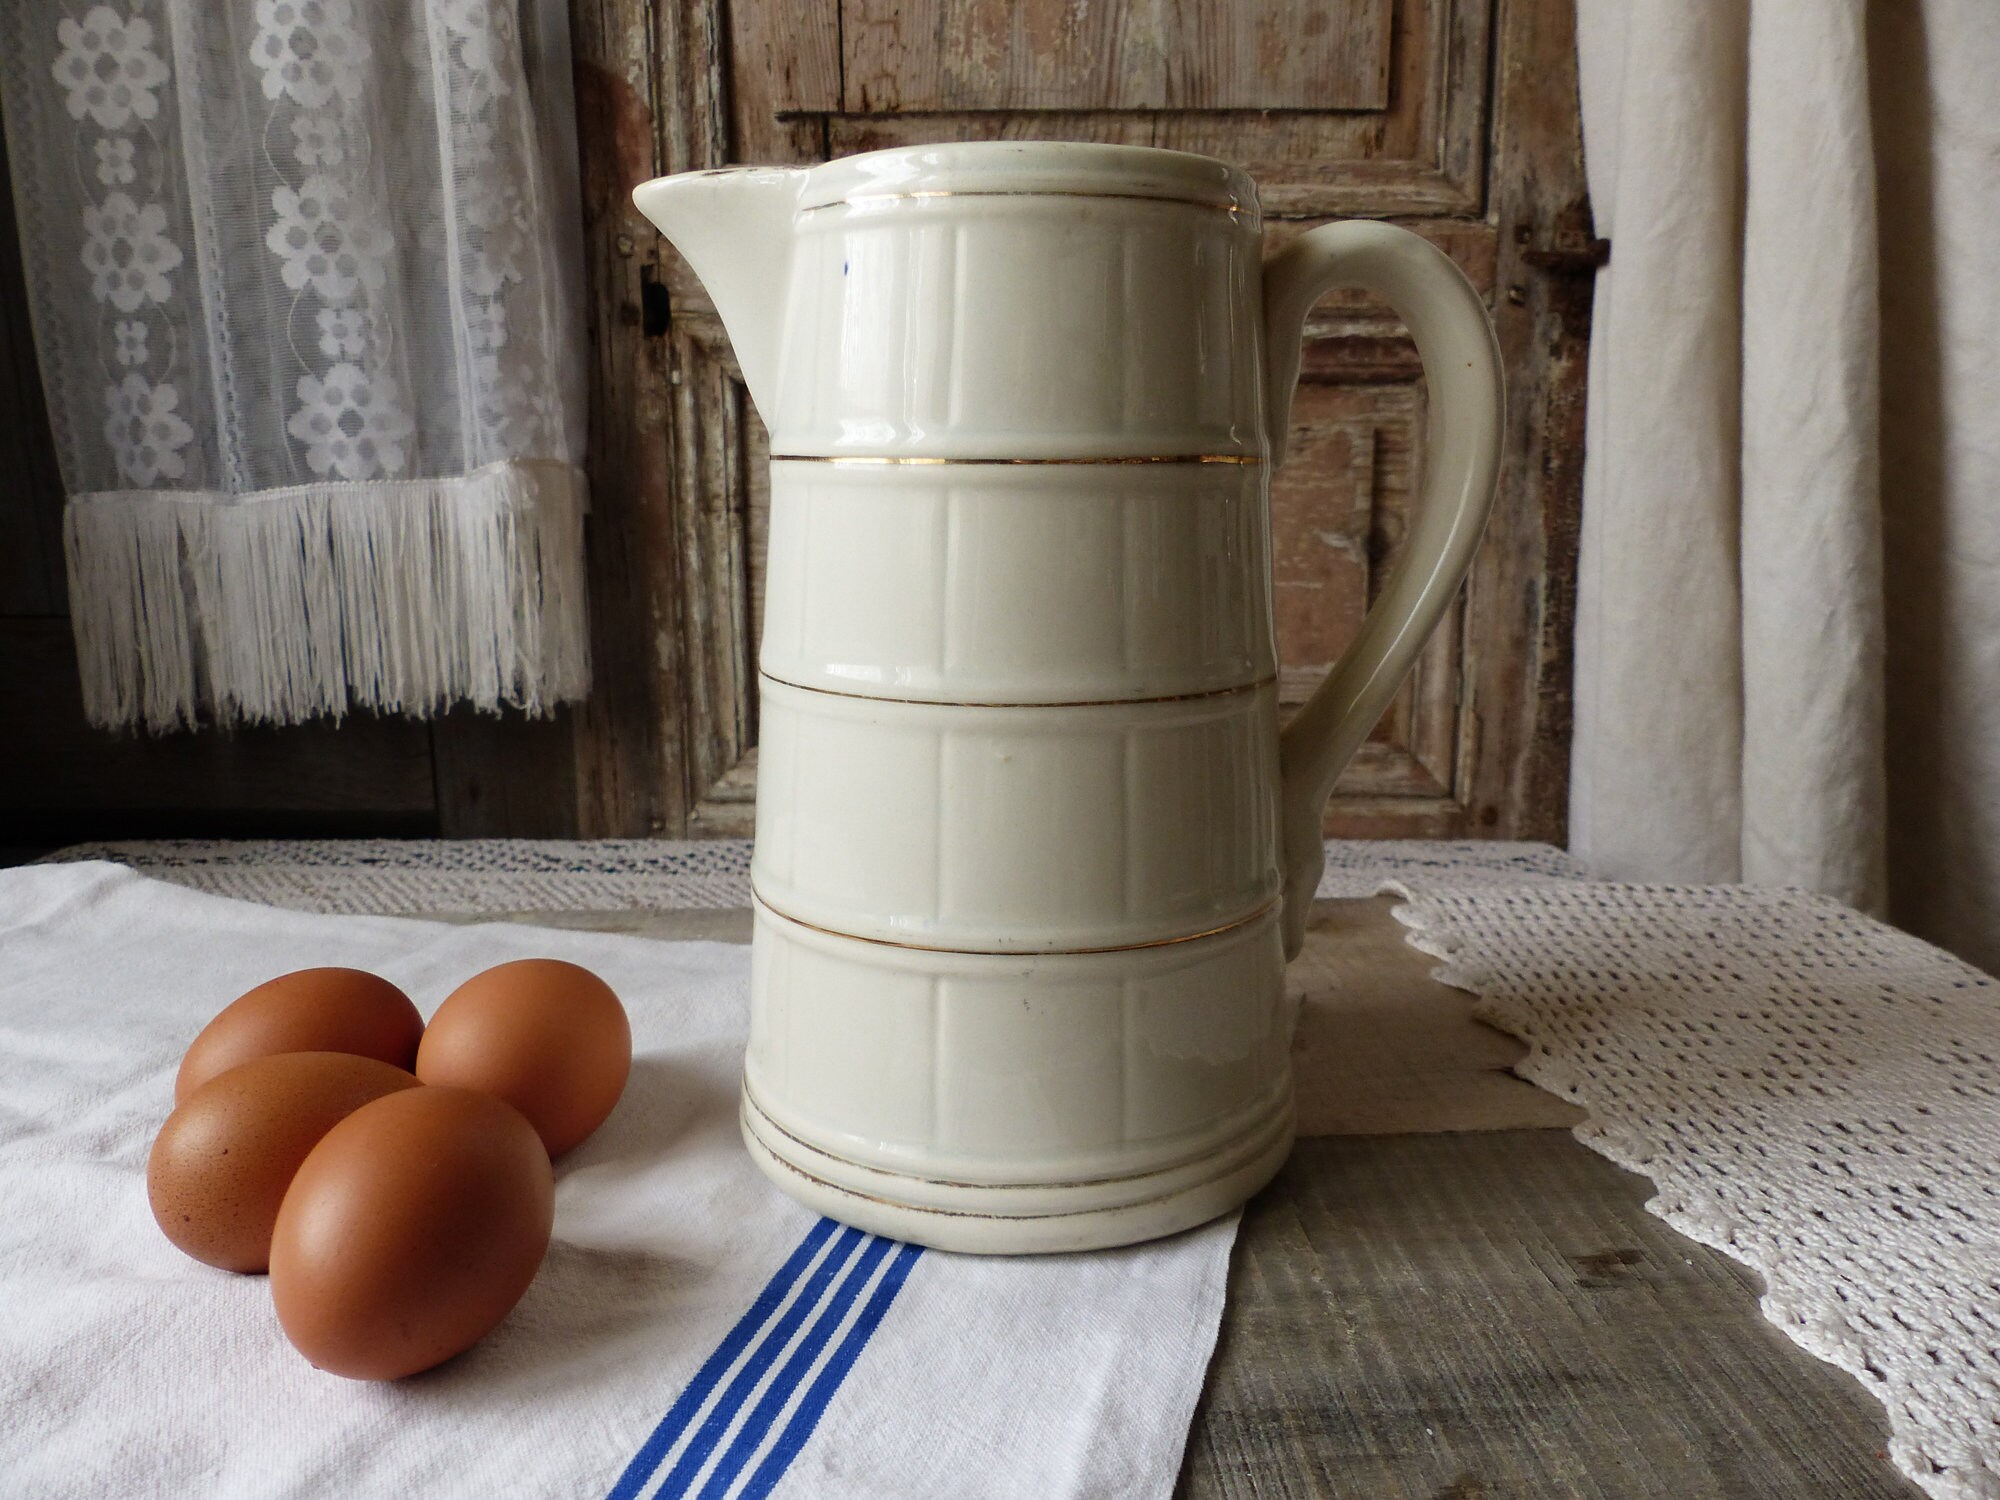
point(1324, 502)
point(784, 73)
point(1340, 509)
point(1384, 1049)
point(711, 557)
point(728, 809)
point(786, 59)
point(631, 773)
point(975, 55)
point(992, 55)
point(1424, 154)
point(1155, 54)
point(61, 781)
point(505, 775)
point(1494, 1315)
point(1419, 150)
point(1518, 680)
point(1276, 54)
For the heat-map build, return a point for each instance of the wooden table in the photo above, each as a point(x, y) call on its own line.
point(1445, 1297)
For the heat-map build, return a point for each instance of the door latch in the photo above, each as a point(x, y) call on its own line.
point(1577, 260)
point(656, 308)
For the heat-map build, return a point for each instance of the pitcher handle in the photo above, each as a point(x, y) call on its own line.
point(1461, 359)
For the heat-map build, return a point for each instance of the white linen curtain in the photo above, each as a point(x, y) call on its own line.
point(1788, 624)
point(305, 280)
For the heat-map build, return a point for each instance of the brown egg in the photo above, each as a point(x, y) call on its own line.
point(222, 1162)
point(312, 1010)
point(414, 1226)
point(548, 1037)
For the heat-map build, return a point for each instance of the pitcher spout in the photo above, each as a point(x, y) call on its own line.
point(734, 226)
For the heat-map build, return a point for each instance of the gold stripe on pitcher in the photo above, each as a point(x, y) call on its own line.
point(1266, 910)
point(1234, 210)
point(1197, 695)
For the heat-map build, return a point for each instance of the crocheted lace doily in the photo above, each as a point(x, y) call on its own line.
point(411, 876)
point(1813, 1093)
point(407, 877)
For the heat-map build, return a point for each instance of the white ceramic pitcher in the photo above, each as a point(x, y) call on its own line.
point(1031, 847)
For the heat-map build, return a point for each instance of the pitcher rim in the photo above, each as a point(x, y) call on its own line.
point(1030, 169)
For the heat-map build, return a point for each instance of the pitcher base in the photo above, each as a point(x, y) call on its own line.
point(1030, 1219)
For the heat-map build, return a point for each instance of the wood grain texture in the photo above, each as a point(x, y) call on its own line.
point(505, 775)
point(1276, 54)
point(1384, 1049)
point(1383, 111)
point(1424, 153)
point(62, 781)
point(728, 809)
point(630, 756)
point(958, 55)
point(785, 60)
point(712, 502)
point(1494, 1315)
point(965, 55)
point(1340, 512)
point(1350, 463)
point(1522, 695)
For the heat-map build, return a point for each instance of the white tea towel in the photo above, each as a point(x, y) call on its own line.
point(692, 1331)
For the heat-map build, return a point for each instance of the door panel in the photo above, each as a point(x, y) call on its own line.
point(966, 55)
point(1381, 111)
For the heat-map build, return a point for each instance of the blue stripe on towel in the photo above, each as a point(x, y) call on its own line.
point(833, 1284)
point(744, 1381)
point(806, 1418)
point(689, 1402)
point(805, 1354)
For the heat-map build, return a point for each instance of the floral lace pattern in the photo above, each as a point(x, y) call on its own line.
point(329, 235)
point(145, 430)
point(309, 51)
point(114, 161)
point(324, 243)
point(500, 246)
point(359, 232)
point(113, 79)
point(108, 67)
point(128, 253)
point(331, 240)
point(352, 423)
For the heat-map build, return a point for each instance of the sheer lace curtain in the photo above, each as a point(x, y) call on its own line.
point(305, 284)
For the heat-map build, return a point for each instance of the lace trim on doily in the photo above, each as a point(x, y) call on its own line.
point(1814, 1094)
point(415, 876)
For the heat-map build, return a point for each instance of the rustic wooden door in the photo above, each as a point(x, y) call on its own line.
point(1457, 118)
